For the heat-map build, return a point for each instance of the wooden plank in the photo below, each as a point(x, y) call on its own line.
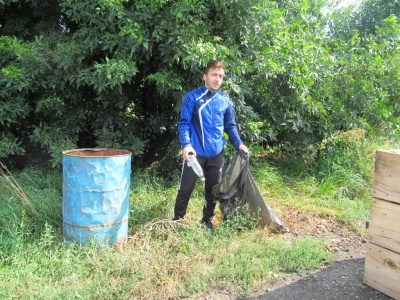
point(387, 175)
point(382, 270)
point(384, 224)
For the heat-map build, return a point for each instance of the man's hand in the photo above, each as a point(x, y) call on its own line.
point(186, 151)
point(244, 148)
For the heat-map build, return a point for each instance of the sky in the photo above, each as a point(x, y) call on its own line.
point(348, 2)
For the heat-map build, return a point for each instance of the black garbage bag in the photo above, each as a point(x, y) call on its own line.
point(237, 193)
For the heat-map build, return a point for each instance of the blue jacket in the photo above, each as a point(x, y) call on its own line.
point(204, 118)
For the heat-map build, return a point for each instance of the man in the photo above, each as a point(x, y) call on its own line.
point(206, 114)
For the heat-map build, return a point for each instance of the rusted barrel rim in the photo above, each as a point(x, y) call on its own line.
point(96, 152)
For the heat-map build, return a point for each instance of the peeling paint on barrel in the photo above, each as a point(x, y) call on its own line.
point(96, 189)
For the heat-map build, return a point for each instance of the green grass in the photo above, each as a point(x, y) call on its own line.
point(165, 259)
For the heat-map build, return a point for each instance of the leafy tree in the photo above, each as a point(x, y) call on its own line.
point(112, 73)
point(368, 58)
point(104, 73)
point(363, 17)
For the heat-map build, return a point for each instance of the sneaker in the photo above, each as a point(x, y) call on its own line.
point(209, 226)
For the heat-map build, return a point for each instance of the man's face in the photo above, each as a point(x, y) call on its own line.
point(213, 79)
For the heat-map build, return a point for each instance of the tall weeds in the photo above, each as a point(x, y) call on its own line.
point(15, 187)
point(165, 259)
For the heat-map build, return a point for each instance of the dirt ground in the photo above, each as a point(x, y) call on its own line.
point(341, 239)
point(343, 279)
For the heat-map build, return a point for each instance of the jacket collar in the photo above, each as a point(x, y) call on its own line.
point(204, 89)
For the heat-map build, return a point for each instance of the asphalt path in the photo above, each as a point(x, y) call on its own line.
point(342, 280)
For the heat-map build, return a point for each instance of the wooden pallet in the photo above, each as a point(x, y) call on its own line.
point(382, 261)
point(382, 270)
point(384, 224)
point(387, 175)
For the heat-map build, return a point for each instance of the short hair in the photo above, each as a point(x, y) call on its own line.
point(213, 65)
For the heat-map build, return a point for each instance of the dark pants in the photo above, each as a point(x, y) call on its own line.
point(212, 169)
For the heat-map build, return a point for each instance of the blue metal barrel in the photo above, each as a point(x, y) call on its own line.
point(96, 188)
